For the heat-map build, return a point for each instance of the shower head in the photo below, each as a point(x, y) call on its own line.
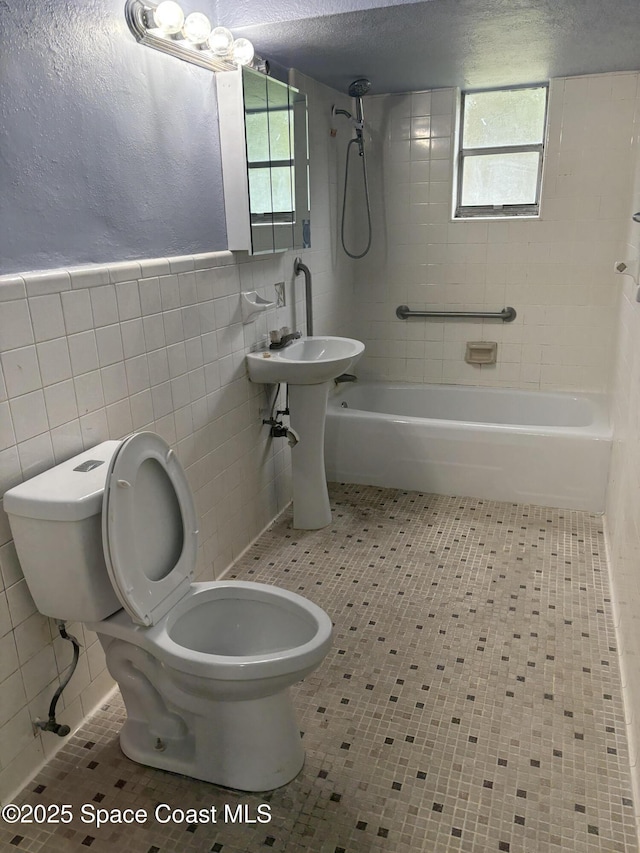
point(359, 87)
point(356, 90)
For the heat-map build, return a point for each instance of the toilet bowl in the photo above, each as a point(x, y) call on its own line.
point(109, 538)
point(206, 687)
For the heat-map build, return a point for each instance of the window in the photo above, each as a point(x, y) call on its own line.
point(500, 156)
point(270, 164)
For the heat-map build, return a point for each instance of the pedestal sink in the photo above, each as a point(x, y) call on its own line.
point(308, 366)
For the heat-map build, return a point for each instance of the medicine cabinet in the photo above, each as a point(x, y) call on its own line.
point(265, 162)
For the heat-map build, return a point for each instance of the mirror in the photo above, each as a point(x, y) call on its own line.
point(275, 118)
point(266, 179)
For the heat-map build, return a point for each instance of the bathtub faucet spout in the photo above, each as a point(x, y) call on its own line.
point(345, 377)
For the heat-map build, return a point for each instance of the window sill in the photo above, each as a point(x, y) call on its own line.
point(510, 217)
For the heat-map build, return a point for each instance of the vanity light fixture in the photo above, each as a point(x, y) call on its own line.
point(221, 41)
point(197, 28)
point(243, 52)
point(168, 17)
point(165, 28)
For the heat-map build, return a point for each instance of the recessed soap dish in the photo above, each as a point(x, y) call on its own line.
point(481, 352)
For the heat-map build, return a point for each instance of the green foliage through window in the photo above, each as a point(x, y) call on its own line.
point(501, 148)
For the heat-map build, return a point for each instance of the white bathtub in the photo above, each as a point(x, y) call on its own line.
point(549, 449)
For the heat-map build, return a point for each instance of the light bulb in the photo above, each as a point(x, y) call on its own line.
point(242, 51)
point(197, 28)
point(168, 17)
point(221, 41)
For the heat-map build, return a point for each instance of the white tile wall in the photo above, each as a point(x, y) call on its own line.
point(75, 372)
point(557, 271)
point(622, 527)
point(92, 353)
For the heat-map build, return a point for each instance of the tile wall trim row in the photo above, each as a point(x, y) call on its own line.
point(46, 282)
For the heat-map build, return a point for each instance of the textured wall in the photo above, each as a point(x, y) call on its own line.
point(108, 150)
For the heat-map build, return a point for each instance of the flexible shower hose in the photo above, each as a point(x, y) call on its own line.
point(344, 200)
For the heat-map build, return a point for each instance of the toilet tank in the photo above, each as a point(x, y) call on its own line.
point(56, 522)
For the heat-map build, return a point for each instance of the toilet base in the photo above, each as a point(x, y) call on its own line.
point(251, 745)
point(223, 718)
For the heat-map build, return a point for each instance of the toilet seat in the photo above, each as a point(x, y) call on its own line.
point(149, 528)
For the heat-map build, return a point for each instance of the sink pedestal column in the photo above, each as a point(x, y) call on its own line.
point(308, 406)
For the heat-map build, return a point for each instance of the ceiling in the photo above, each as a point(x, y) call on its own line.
point(404, 46)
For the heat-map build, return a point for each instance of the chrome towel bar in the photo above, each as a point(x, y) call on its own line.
point(403, 312)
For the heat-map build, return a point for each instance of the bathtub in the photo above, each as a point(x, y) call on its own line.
point(550, 449)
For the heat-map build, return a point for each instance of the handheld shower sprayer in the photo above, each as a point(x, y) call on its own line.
point(356, 90)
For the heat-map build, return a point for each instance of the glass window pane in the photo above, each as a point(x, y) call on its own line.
point(507, 117)
point(260, 190)
point(282, 189)
point(257, 133)
point(279, 134)
point(271, 190)
point(493, 179)
point(255, 108)
point(254, 87)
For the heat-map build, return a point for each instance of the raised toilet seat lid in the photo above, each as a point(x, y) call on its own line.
point(149, 527)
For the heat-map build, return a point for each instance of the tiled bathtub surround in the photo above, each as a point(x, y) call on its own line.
point(471, 700)
point(556, 271)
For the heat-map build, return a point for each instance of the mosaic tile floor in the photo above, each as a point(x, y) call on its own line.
point(471, 700)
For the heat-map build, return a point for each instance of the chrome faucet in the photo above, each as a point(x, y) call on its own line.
point(278, 341)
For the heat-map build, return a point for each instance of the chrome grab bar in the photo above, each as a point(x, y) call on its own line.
point(299, 267)
point(403, 312)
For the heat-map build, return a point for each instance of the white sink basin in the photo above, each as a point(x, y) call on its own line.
point(306, 361)
point(308, 365)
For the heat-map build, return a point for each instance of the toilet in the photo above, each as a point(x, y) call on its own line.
point(109, 538)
